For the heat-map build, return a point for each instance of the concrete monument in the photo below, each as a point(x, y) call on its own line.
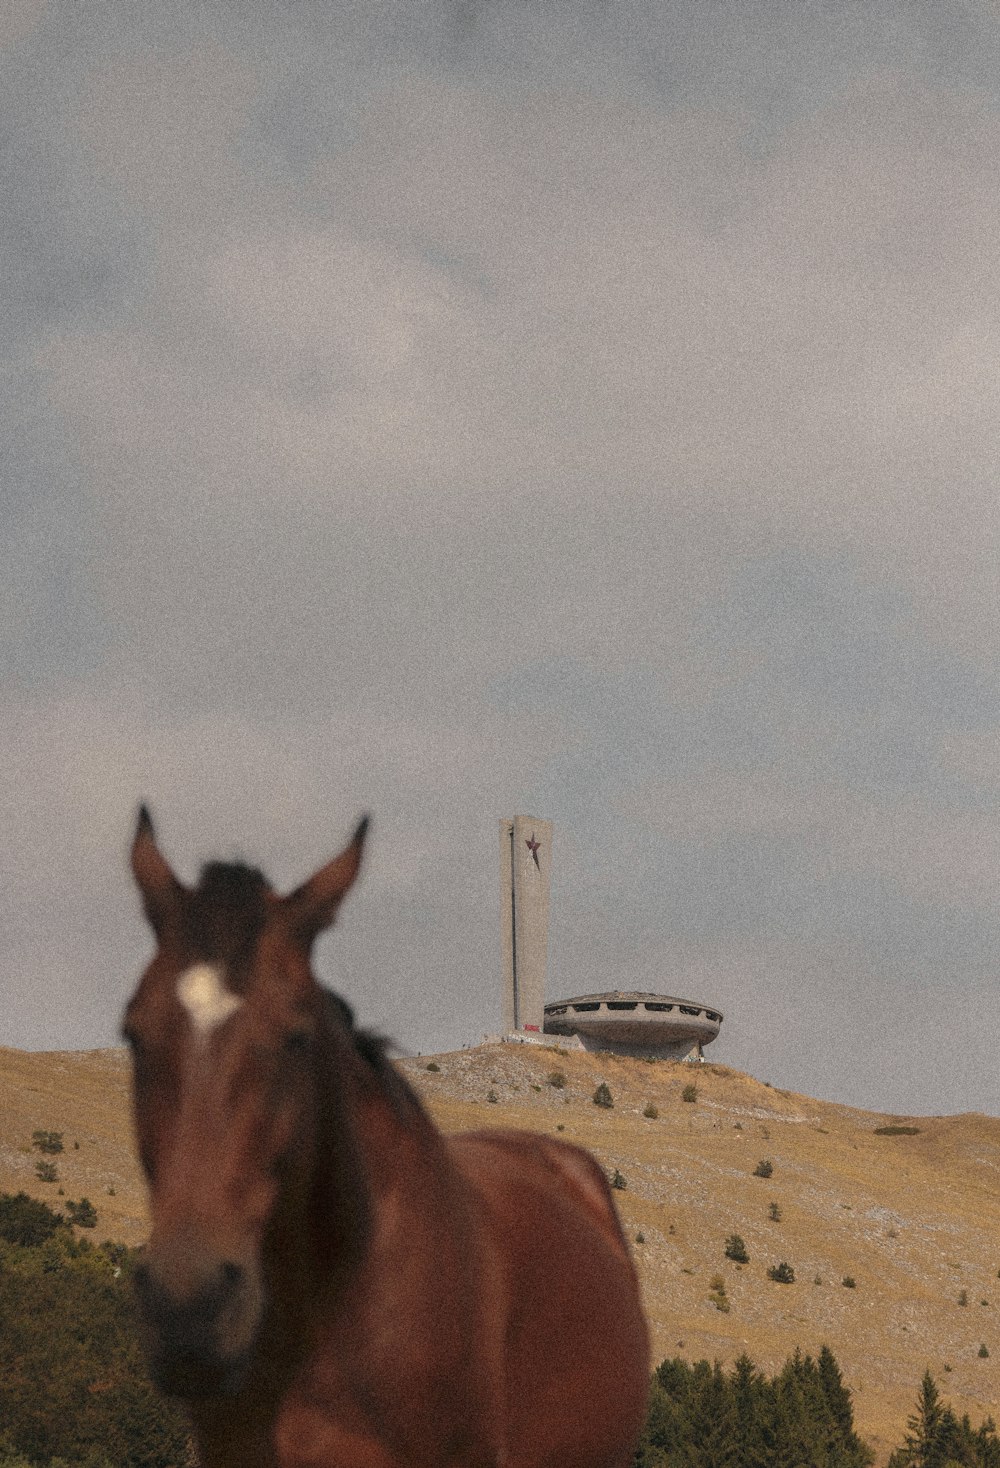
point(525, 867)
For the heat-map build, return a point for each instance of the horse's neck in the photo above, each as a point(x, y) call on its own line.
point(369, 1130)
point(384, 1187)
point(377, 1162)
point(332, 1212)
point(388, 1165)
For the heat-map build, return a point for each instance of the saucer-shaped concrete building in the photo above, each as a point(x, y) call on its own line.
point(633, 1023)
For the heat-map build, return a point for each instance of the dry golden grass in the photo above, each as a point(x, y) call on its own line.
point(914, 1219)
point(84, 1095)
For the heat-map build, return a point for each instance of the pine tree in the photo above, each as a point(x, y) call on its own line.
point(750, 1393)
point(987, 1444)
point(838, 1400)
point(920, 1446)
point(951, 1443)
point(667, 1427)
point(712, 1418)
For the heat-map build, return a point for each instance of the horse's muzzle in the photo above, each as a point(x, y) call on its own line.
point(198, 1343)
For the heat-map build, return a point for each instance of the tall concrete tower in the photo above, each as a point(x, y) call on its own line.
point(525, 865)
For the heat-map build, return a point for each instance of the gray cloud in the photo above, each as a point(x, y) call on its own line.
point(456, 409)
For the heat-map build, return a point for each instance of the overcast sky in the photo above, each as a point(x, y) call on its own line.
point(455, 409)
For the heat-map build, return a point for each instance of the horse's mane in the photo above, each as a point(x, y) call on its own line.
point(373, 1050)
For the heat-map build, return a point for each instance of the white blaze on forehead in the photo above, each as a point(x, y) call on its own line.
point(206, 999)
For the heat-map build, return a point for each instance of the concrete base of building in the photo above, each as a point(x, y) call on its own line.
point(528, 1037)
point(685, 1050)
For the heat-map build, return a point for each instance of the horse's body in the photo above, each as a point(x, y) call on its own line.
point(329, 1280)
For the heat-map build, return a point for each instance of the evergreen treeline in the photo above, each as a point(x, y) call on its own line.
point(74, 1391)
point(938, 1439)
point(701, 1416)
point(73, 1387)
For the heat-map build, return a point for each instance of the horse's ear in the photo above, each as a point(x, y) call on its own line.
point(313, 906)
point(161, 891)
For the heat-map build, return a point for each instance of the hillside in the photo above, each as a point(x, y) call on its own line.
point(913, 1219)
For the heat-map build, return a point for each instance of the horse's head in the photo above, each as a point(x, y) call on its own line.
point(226, 1028)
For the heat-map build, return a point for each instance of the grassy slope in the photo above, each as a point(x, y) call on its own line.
point(914, 1219)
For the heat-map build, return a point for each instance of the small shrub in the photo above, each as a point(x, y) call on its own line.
point(434, 1067)
point(774, 1212)
point(737, 1126)
point(983, 1352)
point(651, 1111)
point(764, 1168)
point(849, 1282)
point(640, 1238)
point(492, 1097)
point(47, 1141)
point(818, 1280)
point(83, 1214)
point(718, 1296)
point(619, 1182)
point(690, 1092)
point(27, 1221)
point(602, 1096)
point(781, 1273)
point(897, 1131)
point(534, 1087)
point(560, 1127)
point(736, 1249)
point(963, 1297)
point(557, 1080)
point(46, 1172)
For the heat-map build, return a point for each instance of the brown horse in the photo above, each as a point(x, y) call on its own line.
point(329, 1280)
